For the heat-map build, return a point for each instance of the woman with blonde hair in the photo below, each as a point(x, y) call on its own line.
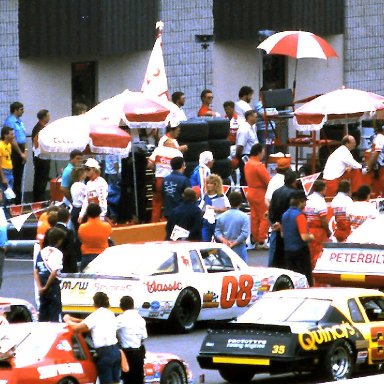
point(215, 203)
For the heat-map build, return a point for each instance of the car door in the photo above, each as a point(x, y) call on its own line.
point(372, 308)
point(226, 292)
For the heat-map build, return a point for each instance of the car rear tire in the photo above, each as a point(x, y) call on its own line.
point(236, 375)
point(173, 373)
point(283, 282)
point(186, 310)
point(19, 314)
point(338, 360)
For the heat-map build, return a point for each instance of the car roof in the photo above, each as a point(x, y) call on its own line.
point(167, 245)
point(330, 293)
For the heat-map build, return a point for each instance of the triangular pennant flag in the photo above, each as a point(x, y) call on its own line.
point(179, 233)
point(245, 190)
point(19, 221)
point(226, 188)
point(155, 81)
point(15, 210)
point(307, 182)
point(37, 209)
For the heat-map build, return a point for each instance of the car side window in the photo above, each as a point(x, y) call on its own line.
point(197, 265)
point(216, 260)
point(373, 307)
point(78, 350)
point(355, 312)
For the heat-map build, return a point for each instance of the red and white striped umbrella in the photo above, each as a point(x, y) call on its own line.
point(298, 44)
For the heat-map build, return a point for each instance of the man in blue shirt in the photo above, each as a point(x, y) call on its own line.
point(233, 226)
point(19, 152)
point(75, 160)
point(174, 185)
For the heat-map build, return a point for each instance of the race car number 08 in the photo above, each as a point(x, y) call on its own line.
point(236, 290)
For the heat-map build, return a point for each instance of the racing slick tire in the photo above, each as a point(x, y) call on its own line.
point(218, 128)
point(193, 130)
point(237, 375)
point(186, 310)
point(19, 314)
point(68, 380)
point(220, 148)
point(194, 150)
point(173, 373)
point(222, 167)
point(338, 361)
point(283, 282)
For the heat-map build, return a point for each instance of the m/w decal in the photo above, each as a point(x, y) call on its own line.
point(80, 285)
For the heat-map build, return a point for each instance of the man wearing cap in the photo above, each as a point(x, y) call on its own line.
point(341, 165)
point(202, 171)
point(97, 189)
point(257, 178)
point(75, 160)
point(172, 133)
point(160, 160)
point(296, 236)
point(245, 139)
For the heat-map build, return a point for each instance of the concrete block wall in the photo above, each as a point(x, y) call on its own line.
point(9, 55)
point(364, 45)
point(184, 58)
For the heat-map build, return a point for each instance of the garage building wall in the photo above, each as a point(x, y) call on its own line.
point(364, 45)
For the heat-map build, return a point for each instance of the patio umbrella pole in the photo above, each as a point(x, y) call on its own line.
point(294, 82)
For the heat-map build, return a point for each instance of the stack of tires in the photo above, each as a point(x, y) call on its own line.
point(209, 134)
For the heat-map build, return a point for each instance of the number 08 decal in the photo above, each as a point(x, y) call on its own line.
point(236, 290)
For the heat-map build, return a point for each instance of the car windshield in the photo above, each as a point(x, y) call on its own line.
point(126, 261)
point(28, 345)
point(277, 309)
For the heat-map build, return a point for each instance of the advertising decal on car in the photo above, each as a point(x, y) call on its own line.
point(310, 340)
point(49, 371)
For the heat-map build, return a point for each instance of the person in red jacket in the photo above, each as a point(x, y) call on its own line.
point(257, 178)
point(206, 101)
point(93, 235)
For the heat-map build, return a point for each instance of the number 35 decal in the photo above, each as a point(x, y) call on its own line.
point(236, 290)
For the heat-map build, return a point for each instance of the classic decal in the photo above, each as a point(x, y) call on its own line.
point(236, 291)
point(163, 287)
point(185, 261)
point(357, 257)
point(377, 336)
point(310, 340)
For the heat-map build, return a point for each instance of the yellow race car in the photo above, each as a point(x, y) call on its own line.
point(330, 331)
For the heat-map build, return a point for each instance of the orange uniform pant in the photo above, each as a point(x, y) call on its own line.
point(316, 245)
point(259, 222)
point(354, 176)
point(157, 200)
point(343, 229)
point(376, 183)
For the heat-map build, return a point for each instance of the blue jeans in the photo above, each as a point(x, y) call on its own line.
point(272, 248)
point(108, 364)
point(8, 173)
point(241, 250)
point(207, 231)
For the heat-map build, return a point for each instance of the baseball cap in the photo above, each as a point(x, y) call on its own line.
point(92, 163)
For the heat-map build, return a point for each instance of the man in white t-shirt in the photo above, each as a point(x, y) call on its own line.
point(243, 104)
point(178, 98)
point(97, 189)
point(103, 326)
point(341, 166)
point(361, 209)
point(172, 132)
point(246, 138)
point(160, 160)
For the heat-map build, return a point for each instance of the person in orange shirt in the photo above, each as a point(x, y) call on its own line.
point(206, 100)
point(257, 178)
point(47, 220)
point(93, 235)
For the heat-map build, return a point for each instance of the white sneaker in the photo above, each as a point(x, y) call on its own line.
point(265, 245)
